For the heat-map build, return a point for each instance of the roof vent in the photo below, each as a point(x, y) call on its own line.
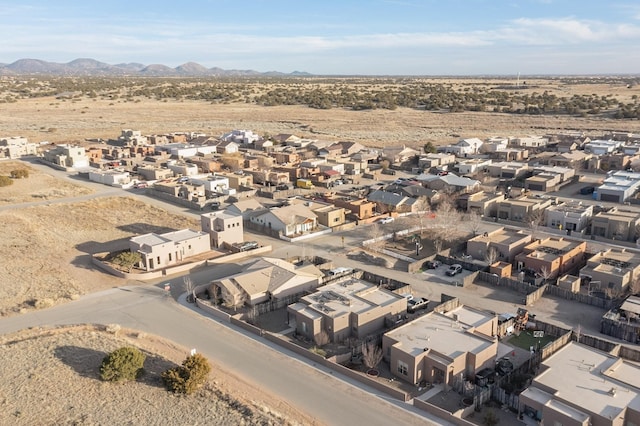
point(612, 392)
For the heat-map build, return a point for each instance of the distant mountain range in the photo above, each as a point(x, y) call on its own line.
point(91, 67)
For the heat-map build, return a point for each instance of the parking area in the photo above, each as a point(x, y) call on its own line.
point(439, 274)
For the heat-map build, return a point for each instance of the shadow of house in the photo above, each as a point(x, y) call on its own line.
point(139, 228)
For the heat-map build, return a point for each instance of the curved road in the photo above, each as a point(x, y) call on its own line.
point(325, 398)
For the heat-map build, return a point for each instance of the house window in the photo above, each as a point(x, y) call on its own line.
point(403, 368)
point(170, 257)
point(158, 260)
point(304, 327)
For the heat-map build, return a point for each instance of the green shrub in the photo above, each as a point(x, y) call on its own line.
point(188, 377)
point(125, 363)
point(5, 181)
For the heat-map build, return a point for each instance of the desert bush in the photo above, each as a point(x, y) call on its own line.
point(188, 377)
point(19, 173)
point(125, 363)
point(5, 181)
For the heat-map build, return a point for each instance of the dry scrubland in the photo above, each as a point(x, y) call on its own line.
point(52, 377)
point(46, 248)
point(37, 187)
point(64, 120)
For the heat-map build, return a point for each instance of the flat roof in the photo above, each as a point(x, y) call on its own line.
point(502, 236)
point(440, 333)
point(586, 377)
point(348, 295)
point(469, 316)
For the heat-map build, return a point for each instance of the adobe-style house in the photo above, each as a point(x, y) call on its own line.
point(612, 270)
point(328, 214)
point(506, 243)
point(623, 322)
point(507, 170)
point(359, 207)
point(288, 220)
point(345, 308)
point(16, 147)
point(267, 279)
point(223, 227)
point(580, 386)
point(427, 161)
point(483, 203)
point(162, 250)
point(572, 216)
point(552, 256)
point(523, 209)
point(618, 187)
point(67, 156)
point(576, 160)
point(441, 348)
point(149, 172)
point(399, 154)
point(616, 224)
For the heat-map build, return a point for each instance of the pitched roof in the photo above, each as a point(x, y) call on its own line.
point(388, 198)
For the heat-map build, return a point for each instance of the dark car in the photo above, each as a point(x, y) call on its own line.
point(417, 303)
point(432, 264)
point(504, 366)
point(586, 190)
point(454, 269)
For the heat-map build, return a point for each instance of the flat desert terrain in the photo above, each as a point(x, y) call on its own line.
point(68, 120)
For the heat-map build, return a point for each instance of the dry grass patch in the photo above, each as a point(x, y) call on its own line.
point(46, 249)
point(38, 186)
point(52, 377)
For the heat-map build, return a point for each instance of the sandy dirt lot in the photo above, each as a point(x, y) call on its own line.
point(51, 376)
point(37, 187)
point(46, 249)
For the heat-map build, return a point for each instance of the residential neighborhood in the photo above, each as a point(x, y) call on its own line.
point(507, 213)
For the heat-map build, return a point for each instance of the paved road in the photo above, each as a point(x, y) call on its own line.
point(330, 401)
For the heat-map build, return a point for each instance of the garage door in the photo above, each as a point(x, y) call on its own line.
point(536, 187)
point(610, 197)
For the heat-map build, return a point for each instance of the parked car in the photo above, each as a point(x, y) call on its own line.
point(388, 172)
point(454, 269)
point(432, 264)
point(386, 220)
point(586, 190)
point(416, 304)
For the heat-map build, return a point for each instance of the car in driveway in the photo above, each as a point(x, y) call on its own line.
point(416, 304)
point(386, 220)
point(454, 269)
point(432, 264)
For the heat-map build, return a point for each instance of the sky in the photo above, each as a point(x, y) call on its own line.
point(327, 37)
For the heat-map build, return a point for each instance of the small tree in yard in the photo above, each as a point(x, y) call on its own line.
point(127, 259)
point(546, 273)
point(321, 338)
point(371, 355)
point(188, 377)
point(122, 364)
point(491, 255)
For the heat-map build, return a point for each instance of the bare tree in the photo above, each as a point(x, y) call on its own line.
point(376, 234)
point(546, 273)
point(474, 222)
point(188, 288)
point(620, 231)
point(535, 220)
point(321, 338)
point(437, 244)
point(491, 255)
point(371, 355)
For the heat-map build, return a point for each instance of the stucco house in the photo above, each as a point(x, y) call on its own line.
point(162, 250)
point(507, 243)
point(345, 308)
point(552, 256)
point(612, 269)
point(440, 348)
point(224, 227)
